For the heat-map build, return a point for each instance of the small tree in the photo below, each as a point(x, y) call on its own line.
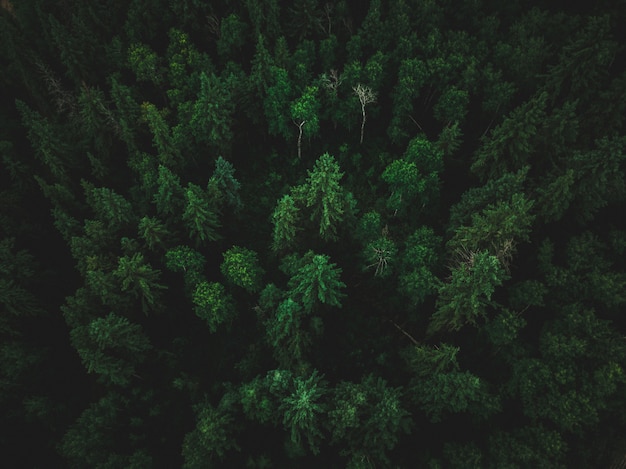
point(366, 96)
point(213, 304)
point(241, 267)
point(302, 410)
point(199, 216)
point(139, 278)
point(317, 280)
point(325, 195)
point(286, 221)
point(304, 112)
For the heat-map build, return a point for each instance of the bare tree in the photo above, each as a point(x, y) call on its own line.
point(214, 25)
point(300, 125)
point(366, 96)
point(332, 81)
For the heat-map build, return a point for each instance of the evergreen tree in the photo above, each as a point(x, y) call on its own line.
point(415, 178)
point(211, 439)
point(325, 195)
point(316, 280)
point(213, 304)
point(367, 420)
point(112, 347)
point(140, 279)
point(241, 267)
point(224, 179)
point(302, 409)
point(465, 298)
point(199, 217)
point(286, 221)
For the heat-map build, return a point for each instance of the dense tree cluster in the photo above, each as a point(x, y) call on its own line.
point(301, 234)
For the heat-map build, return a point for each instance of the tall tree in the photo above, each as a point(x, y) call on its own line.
point(316, 281)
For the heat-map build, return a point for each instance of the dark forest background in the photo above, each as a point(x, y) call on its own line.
point(300, 234)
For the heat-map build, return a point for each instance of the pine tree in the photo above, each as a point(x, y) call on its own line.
point(212, 113)
point(287, 334)
point(153, 232)
point(465, 298)
point(213, 304)
point(277, 102)
point(241, 267)
point(199, 217)
point(161, 134)
point(224, 179)
point(110, 207)
point(325, 195)
point(140, 279)
point(212, 437)
point(302, 409)
point(316, 281)
point(367, 420)
point(286, 223)
point(112, 347)
point(440, 388)
point(169, 196)
point(414, 178)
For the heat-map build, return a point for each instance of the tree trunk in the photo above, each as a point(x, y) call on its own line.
point(362, 122)
point(300, 139)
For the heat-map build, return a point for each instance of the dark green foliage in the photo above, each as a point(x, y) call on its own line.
point(198, 216)
point(145, 63)
point(139, 278)
point(111, 347)
point(108, 206)
point(316, 281)
point(169, 195)
point(261, 317)
point(322, 193)
point(440, 388)
point(302, 409)
point(287, 335)
point(367, 420)
point(211, 438)
point(561, 387)
point(286, 221)
point(241, 267)
point(452, 106)
point(498, 228)
point(212, 304)
point(161, 133)
point(510, 145)
point(212, 113)
point(232, 36)
point(224, 179)
point(415, 178)
point(420, 258)
point(381, 256)
point(533, 445)
point(153, 232)
point(465, 298)
point(91, 441)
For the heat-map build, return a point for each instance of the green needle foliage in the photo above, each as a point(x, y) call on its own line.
point(198, 216)
point(198, 187)
point(303, 409)
point(286, 223)
point(241, 267)
point(212, 304)
point(316, 281)
point(140, 279)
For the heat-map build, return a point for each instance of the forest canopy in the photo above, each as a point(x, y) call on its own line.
point(379, 234)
